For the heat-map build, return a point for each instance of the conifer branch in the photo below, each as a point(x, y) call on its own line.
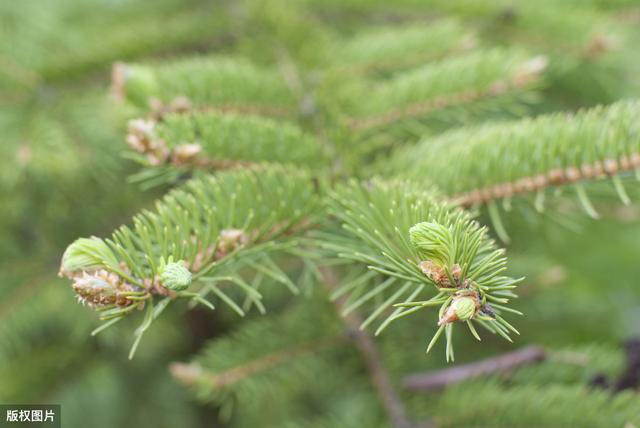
point(285, 351)
point(182, 143)
point(378, 374)
point(273, 148)
point(568, 29)
point(521, 395)
point(422, 91)
point(493, 90)
point(388, 48)
point(408, 240)
point(202, 233)
point(214, 83)
point(504, 160)
point(191, 374)
point(90, 44)
point(461, 373)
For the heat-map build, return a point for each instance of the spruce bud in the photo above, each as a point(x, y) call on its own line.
point(175, 276)
point(138, 83)
point(82, 254)
point(431, 240)
point(463, 308)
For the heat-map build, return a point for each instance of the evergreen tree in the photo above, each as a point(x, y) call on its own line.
point(320, 192)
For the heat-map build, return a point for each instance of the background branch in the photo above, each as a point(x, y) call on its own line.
point(441, 378)
point(377, 372)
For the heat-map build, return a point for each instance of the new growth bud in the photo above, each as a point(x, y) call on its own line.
point(82, 254)
point(134, 83)
point(431, 240)
point(462, 308)
point(175, 276)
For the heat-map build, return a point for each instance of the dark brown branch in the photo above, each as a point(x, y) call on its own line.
point(440, 379)
point(379, 376)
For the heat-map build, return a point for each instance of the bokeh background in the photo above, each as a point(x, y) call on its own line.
point(63, 175)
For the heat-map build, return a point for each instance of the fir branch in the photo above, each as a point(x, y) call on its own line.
point(284, 352)
point(203, 232)
point(390, 48)
point(412, 240)
point(448, 83)
point(522, 394)
point(365, 344)
point(190, 374)
point(501, 363)
point(503, 160)
point(182, 143)
point(389, 249)
point(496, 404)
point(54, 50)
point(565, 28)
point(218, 83)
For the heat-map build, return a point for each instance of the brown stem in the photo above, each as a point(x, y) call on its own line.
point(379, 376)
point(440, 379)
point(555, 177)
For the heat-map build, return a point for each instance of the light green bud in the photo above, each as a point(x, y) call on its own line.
point(464, 308)
point(139, 83)
point(431, 240)
point(175, 276)
point(84, 253)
